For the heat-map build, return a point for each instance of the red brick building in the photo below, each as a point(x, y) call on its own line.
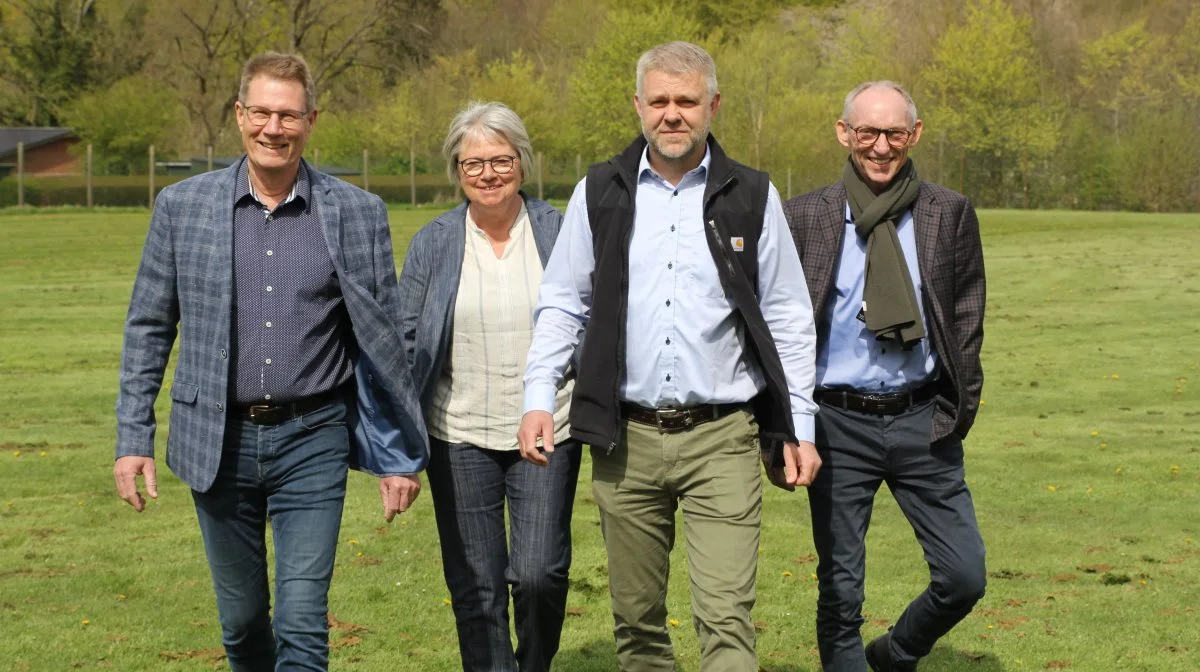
point(47, 151)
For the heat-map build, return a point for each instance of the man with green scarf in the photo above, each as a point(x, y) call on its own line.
point(895, 270)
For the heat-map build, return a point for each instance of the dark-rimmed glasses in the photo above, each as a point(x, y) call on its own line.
point(289, 119)
point(501, 165)
point(866, 135)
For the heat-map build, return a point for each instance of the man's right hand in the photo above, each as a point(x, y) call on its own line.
point(536, 425)
point(125, 473)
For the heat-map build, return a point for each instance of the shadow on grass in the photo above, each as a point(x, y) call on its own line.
point(949, 659)
point(595, 656)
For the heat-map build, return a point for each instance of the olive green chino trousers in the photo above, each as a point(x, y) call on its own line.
point(712, 472)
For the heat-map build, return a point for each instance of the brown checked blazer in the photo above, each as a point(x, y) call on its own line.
point(950, 257)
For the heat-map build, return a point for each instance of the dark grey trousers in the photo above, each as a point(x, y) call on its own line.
point(860, 452)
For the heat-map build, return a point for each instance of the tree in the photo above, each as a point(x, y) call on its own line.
point(123, 120)
point(988, 99)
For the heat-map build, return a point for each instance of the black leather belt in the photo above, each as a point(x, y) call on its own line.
point(876, 404)
point(274, 414)
point(671, 420)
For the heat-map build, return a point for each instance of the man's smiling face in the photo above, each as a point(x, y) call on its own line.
point(274, 147)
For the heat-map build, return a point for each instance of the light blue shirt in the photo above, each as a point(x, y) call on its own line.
point(684, 345)
point(851, 357)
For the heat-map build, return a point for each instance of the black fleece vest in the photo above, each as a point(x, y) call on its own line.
point(734, 201)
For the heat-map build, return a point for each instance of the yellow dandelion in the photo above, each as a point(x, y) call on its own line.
point(446, 601)
point(1115, 376)
point(16, 453)
point(85, 622)
point(404, 523)
point(358, 554)
point(813, 576)
point(1175, 469)
point(1095, 434)
point(353, 542)
point(1052, 488)
point(982, 402)
point(42, 454)
point(673, 622)
point(1104, 444)
point(1090, 491)
point(1118, 470)
point(120, 597)
point(786, 573)
point(1142, 582)
point(991, 627)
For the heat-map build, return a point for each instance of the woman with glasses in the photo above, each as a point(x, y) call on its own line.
point(468, 290)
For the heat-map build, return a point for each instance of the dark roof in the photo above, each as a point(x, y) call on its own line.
point(32, 137)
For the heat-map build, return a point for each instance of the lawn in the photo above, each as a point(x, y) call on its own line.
point(1085, 464)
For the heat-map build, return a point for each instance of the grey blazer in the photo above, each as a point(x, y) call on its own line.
point(184, 288)
point(429, 284)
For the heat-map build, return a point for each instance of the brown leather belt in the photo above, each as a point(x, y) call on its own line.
point(671, 420)
point(876, 404)
point(274, 414)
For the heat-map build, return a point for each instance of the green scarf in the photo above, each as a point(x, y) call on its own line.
point(889, 305)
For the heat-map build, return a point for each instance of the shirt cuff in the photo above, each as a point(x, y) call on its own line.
point(540, 397)
point(806, 429)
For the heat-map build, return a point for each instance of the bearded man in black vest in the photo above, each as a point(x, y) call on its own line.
point(675, 266)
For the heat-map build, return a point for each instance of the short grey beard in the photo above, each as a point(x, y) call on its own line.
point(699, 141)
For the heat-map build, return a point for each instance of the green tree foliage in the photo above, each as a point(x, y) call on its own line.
point(988, 100)
point(123, 120)
point(601, 116)
point(517, 83)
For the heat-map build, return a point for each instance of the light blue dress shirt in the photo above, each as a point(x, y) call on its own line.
point(851, 357)
point(683, 343)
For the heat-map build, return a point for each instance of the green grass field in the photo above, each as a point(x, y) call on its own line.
point(1085, 464)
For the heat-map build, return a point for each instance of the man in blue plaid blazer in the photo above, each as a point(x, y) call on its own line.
point(280, 284)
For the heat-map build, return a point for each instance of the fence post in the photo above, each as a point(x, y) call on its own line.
point(316, 159)
point(578, 163)
point(208, 155)
point(151, 196)
point(789, 192)
point(20, 174)
point(412, 174)
point(89, 175)
point(366, 176)
point(541, 193)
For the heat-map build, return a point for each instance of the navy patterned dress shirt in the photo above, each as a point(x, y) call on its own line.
point(290, 328)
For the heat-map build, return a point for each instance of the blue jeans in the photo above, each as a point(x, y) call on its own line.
point(860, 452)
point(293, 474)
point(470, 486)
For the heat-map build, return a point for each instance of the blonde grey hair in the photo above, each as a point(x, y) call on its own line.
point(880, 84)
point(677, 58)
point(287, 67)
point(490, 121)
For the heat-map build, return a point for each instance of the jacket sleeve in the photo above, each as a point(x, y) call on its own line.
point(150, 330)
point(969, 301)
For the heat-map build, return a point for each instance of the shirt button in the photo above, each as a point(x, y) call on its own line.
point(267, 397)
point(670, 265)
point(270, 288)
point(668, 302)
point(220, 406)
point(224, 354)
point(268, 325)
point(668, 340)
point(672, 227)
point(668, 377)
point(270, 252)
point(267, 361)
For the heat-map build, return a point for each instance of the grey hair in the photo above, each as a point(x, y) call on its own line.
point(881, 84)
point(677, 58)
point(286, 67)
point(492, 121)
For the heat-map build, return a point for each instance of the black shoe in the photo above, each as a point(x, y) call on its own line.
point(879, 657)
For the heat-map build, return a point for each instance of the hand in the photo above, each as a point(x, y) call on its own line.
point(536, 425)
point(125, 473)
point(800, 465)
point(398, 493)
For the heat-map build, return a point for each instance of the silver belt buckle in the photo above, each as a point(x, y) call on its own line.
point(661, 413)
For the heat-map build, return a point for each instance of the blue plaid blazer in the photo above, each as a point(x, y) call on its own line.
point(184, 289)
point(429, 284)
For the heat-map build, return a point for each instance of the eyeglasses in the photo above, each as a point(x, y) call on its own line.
point(896, 137)
point(288, 119)
point(501, 165)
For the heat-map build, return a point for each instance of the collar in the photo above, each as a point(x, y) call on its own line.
point(301, 188)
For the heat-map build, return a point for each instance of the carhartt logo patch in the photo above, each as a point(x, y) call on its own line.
point(738, 243)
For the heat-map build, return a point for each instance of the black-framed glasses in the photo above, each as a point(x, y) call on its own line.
point(289, 119)
point(501, 165)
point(896, 137)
